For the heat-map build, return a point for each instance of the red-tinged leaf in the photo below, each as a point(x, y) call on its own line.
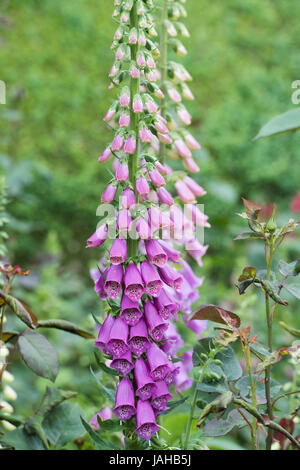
point(251, 206)
point(216, 314)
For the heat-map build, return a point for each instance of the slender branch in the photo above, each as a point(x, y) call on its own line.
point(191, 417)
point(284, 395)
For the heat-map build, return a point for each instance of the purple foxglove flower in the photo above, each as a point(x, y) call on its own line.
point(142, 186)
point(165, 197)
point(160, 395)
point(124, 406)
point(164, 138)
point(151, 107)
point(174, 94)
point(158, 219)
point(173, 341)
point(165, 305)
point(158, 362)
point(120, 54)
point(137, 105)
point(181, 223)
point(104, 333)
point(145, 135)
point(142, 39)
point(130, 145)
point(117, 143)
point(131, 313)
point(183, 192)
point(141, 62)
point(156, 178)
point(124, 120)
point(145, 418)
point(143, 228)
point(182, 149)
point(159, 93)
point(151, 279)
point(191, 142)
point(139, 342)
point(133, 283)
point(98, 237)
point(106, 155)
point(182, 381)
point(170, 377)
point(199, 219)
point(156, 253)
point(152, 76)
point(118, 251)
point(104, 414)
point(134, 72)
point(124, 221)
point(184, 116)
point(191, 165)
point(172, 254)
point(125, 98)
point(118, 34)
point(145, 385)
point(113, 281)
point(151, 63)
point(122, 172)
point(194, 187)
point(160, 126)
point(123, 364)
point(117, 343)
point(187, 94)
point(188, 273)
point(114, 71)
point(171, 277)
point(197, 326)
point(128, 198)
point(99, 288)
point(163, 169)
point(110, 114)
point(196, 250)
point(132, 37)
point(154, 321)
point(109, 194)
point(153, 196)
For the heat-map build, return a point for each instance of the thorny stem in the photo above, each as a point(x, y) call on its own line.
point(134, 123)
point(163, 68)
point(270, 346)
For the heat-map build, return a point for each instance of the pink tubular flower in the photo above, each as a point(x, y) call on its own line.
point(186, 92)
point(194, 187)
point(109, 194)
point(158, 362)
point(98, 237)
point(123, 364)
point(151, 278)
point(145, 384)
point(151, 63)
point(143, 228)
point(198, 218)
point(160, 396)
point(104, 414)
point(125, 99)
point(156, 253)
point(130, 145)
point(113, 281)
point(191, 142)
point(145, 418)
point(124, 221)
point(99, 287)
point(172, 254)
point(154, 321)
point(145, 135)
point(183, 192)
point(151, 107)
point(173, 341)
point(142, 186)
point(117, 343)
point(156, 178)
point(171, 277)
point(166, 306)
point(137, 105)
point(160, 126)
point(104, 333)
point(132, 38)
point(141, 62)
point(138, 341)
point(122, 172)
point(130, 311)
point(118, 251)
point(124, 120)
point(114, 71)
point(110, 114)
point(133, 283)
point(106, 155)
point(196, 250)
point(164, 138)
point(120, 54)
point(182, 149)
point(127, 198)
point(117, 143)
point(174, 95)
point(165, 197)
point(124, 406)
point(134, 72)
point(191, 165)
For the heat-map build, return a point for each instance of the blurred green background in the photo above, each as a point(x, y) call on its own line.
point(54, 58)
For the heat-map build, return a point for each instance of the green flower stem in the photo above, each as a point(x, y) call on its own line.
point(270, 346)
point(163, 69)
point(253, 396)
point(134, 124)
point(191, 417)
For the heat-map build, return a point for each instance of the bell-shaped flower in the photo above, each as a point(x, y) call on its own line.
point(117, 343)
point(154, 321)
point(145, 384)
point(113, 281)
point(118, 251)
point(123, 364)
point(130, 311)
point(139, 341)
point(145, 419)
point(124, 405)
point(104, 333)
point(133, 283)
point(151, 278)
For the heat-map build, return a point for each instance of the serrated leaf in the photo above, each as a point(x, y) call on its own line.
point(282, 123)
point(20, 309)
point(215, 314)
point(63, 424)
point(65, 326)
point(39, 355)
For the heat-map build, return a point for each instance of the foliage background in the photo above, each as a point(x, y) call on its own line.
point(55, 56)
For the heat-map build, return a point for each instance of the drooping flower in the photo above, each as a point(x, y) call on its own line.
point(113, 281)
point(130, 311)
point(158, 362)
point(160, 396)
point(123, 364)
point(151, 278)
point(139, 339)
point(104, 334)
point(117, 343)
point(104, 414)
point(156, 253)
point(118, 251)
point(133, 283)
point(145, 384)
point(124, 405)
point(98, 237)
point(155, 323)
point(145, 418)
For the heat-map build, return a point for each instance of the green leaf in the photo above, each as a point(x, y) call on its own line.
point(20, 309)
point(217, 405)
point(109, 425)
point(65, 326)
point(53, 397)
point(99, 442)
point(9, 335)
point(20, 440)
point(244, 387)
point(15, 420)
point(230, 364)
point(216, 314)
point(107, 392)
point(34, 428)
point(293, 287)
point(107, 370)
point(219, 427)
point(289, 269)
point(174, 404)
point(63, 424)
point(286, 122)
point(290, 329)
point(39, 355)
point(218, 386)
point(249, 236)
